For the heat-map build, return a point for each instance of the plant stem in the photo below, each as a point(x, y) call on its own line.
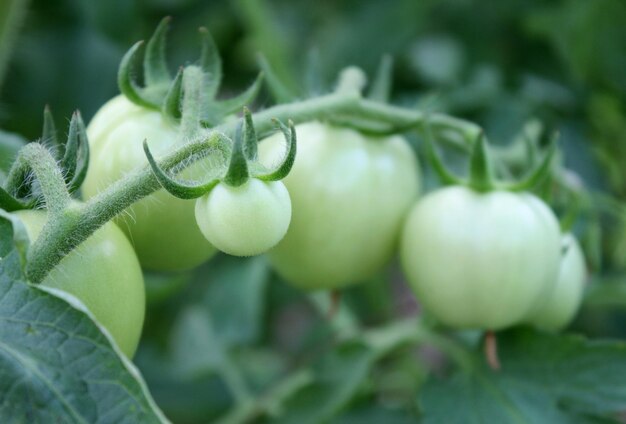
point(303, 111)
point(79, 221)
point(36, 158)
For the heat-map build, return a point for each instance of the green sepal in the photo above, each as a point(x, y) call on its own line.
point(154, 63)
point(210, 62)
point(172, 104)
point(49, 131)
point(380, 89)
point(75, 160)
point(238, 173)
point(283, 169)
point(175, 188)
point(218, 110)
point(10, 203)
point(446, 177)
point(250, 142)
point(280, 92)
point(538, 175)
point(481, 176)
point(127, 84)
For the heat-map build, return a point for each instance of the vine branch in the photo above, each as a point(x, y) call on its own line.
point(79, 221)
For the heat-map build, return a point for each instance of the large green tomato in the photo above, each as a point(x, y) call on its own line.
point(561, 305)
point(245, 220)
point(480, 260)
point(350, 194)
point(104, 273)
point(161, 227)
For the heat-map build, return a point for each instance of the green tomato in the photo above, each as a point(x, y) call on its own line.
point(350, 194)
point(161, 227)
point(561, 305)
point(245, 220)
point(480, 260)
point(103, 272)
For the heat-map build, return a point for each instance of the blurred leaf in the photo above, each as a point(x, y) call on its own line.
point(587, 36)
point(337, 377)
point(12, 14)
point(234, 295)
point(10, 144)
point(438, 60)
point(161, 287)
point(370, 414)
point(544, 378)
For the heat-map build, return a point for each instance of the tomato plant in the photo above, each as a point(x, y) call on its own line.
point(103, 273)
point(471, 324)
point(350, 193)
point(115, 136)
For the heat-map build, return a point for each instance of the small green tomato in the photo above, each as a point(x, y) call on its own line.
point(561, 306)
point(246, 220)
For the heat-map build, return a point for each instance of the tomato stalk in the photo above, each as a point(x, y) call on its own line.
point(36, 158)
point(73, 228)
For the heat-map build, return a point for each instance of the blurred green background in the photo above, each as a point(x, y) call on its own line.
point(217, 339)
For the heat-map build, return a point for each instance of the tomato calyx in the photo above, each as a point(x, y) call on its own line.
point(163, 93)
point(482, 177)
point(242, 165)
point(69, 159)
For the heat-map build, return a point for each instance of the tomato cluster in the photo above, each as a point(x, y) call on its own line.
point(487, 260)
point(162, 228)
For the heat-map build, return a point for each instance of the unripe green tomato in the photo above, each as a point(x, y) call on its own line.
point(161, 227)
point(103, 272)
point(561, 305)
point(245, 220)
point(350, 194)
point(480, 260)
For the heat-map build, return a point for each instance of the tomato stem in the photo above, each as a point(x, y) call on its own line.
point(36, 158)
point(491, 351)
point(335, 304)
point(75, 225)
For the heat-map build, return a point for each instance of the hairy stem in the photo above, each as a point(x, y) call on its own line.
point(79, 221)
point(36, 158)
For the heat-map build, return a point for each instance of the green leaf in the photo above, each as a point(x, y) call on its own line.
point(56, 364)
point(228, 314)
point(235, 296)
point(337, 378)
point(544, 378)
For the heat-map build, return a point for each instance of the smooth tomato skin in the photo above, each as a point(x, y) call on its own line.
point(104, 273)
point(350, 194)
point(161, 227)
point(564, 301)
point(246, 220)
point(480, 260)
